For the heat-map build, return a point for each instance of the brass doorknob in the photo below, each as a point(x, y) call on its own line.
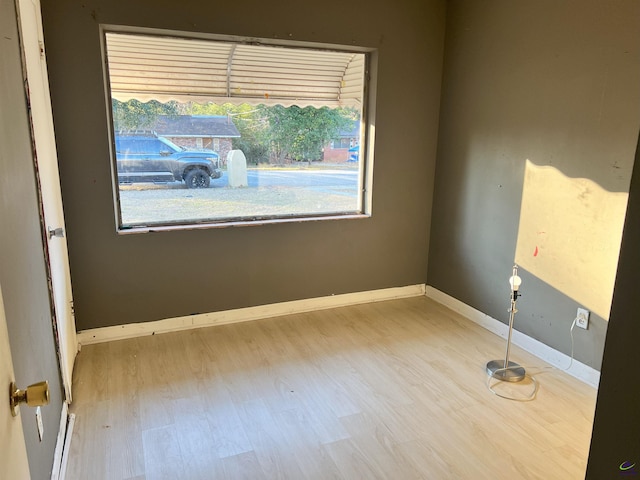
point(35, 395)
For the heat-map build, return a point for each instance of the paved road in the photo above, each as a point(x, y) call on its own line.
point(342, 182)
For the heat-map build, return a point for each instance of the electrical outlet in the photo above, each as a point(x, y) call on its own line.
point(582, 318)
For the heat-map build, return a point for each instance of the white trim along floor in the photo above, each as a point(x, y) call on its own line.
point(558, 359)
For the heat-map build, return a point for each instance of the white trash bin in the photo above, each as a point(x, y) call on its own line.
point(237, 169)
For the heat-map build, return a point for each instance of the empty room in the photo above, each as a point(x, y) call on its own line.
point(337, 239)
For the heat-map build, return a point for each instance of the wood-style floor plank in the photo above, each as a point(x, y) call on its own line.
point(388, 390)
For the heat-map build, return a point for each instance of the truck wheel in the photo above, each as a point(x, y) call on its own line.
point(197, 178)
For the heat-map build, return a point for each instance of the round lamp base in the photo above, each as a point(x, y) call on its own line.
point(513, 372)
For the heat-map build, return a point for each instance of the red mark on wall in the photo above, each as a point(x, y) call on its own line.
point(535, 253)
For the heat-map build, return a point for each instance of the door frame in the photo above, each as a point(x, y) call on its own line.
point(48, 185)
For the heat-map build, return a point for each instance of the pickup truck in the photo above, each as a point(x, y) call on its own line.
point(146, 157)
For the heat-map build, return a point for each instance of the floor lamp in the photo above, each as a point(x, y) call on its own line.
point(506, 370)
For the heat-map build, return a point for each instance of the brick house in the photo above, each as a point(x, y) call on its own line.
point(337, 150)
point(200, 132)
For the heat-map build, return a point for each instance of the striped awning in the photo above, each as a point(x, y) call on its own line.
point(152, 67)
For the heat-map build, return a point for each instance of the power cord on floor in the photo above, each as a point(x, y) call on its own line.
point(528, 398)
point(533, 394)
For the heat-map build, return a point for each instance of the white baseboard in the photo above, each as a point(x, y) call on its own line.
point(558, 359)
point(579, 370)
point(120, 332)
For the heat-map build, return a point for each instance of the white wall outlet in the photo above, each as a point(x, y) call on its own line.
point(582, 318)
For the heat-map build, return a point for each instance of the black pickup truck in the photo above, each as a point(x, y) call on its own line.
point(146, 157)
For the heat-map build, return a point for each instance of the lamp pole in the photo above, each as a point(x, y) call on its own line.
point(506, 370)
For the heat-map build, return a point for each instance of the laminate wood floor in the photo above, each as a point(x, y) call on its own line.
point(388, 390)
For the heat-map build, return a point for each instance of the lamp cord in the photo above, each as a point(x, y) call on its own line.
point(536, 385)
point(528, 398)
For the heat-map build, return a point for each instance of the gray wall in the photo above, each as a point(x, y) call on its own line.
point(137, 278)
point(557, 83)
point(23, 274)
point(616, 425)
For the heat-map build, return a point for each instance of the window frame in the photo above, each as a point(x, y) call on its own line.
point(366, 140)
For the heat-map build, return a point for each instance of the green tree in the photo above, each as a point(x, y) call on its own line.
point(136, 115)
point(301, 133)
point(266, 132)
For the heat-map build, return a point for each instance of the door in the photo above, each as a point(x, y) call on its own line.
point(49, 181)
point(24, 272)
point(13, 453)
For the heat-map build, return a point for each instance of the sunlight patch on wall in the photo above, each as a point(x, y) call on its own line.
point(569, 235)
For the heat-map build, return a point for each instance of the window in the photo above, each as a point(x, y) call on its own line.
point(143, 145)
point(342, 143)
point(280, 108)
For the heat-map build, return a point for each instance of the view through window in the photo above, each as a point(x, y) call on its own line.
point(210, 131)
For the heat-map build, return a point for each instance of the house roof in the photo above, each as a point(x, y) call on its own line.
point(195, 126)
point(352, 132)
